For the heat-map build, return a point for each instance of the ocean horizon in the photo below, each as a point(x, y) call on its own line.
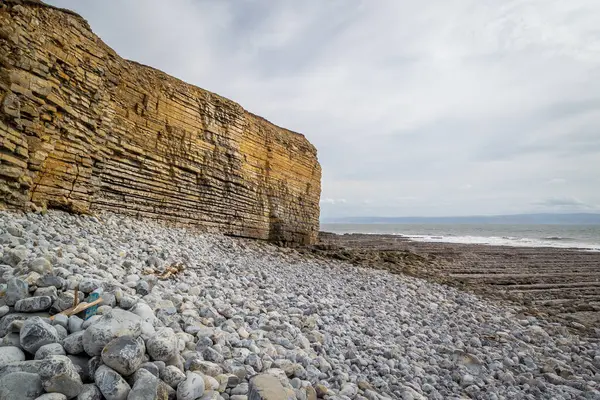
point(584, 237)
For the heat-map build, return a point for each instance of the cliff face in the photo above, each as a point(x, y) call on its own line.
point(82, 129)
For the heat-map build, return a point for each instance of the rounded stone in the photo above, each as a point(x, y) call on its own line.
point(10, 354)
point(59, 375)
point(124, 354)
point(90, 392)
point(114, 324)
point(33, 304)
point(52, 349)
point(52, 396)
point(21, 386)
point(35, 333)
point(16, 289)
point(163, 346)
point(172, 376)
point(191, 388)
point(73, 344)
point(111, 384)
point(75, 324)
point(148, 386)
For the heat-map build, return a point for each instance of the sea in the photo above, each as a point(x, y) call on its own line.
point(584, 237)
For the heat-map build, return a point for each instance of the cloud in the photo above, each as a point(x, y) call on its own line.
point(401, 99)
point(333, 201)
point(566, 204)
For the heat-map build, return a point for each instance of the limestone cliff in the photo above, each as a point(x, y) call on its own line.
point(82, 129)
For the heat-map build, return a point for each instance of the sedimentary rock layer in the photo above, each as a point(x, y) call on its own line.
point(82, 129)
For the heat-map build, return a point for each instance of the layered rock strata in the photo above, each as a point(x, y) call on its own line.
point(82, 129)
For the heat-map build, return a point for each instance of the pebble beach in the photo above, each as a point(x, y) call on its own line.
point(237, 319)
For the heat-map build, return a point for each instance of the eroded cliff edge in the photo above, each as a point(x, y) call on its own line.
point(83, 129)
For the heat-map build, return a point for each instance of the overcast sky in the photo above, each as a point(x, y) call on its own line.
point(417, 108)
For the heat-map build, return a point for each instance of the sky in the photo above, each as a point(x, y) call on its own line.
point(417, 108)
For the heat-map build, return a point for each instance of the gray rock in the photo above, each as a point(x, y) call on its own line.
point(35, 333)
point(90, 392)
point(206, 367)
point(349, 390)
point(163, 346)
point(33, 304)
point(16, 289)
point(75, 324)
point(62, 320)
point(142, 288)
point(20, 386)
point(152, 368)
point(210, 395)
point(242, 388)
point(266, 387)
point(210, 354)
point(144, 311)
point(89, 285)
point(172, 376)
point(93, 364)
point(191, 388)
point(61, 332)
point(41, 265)
point(73, 343)
point(4, 310)
point(31, 366)
point(114, 324)
point(81, 363)
point(255, 362)
point(59, 375)
point(126, 302)
point(49, 280)
point(111, 384)
point(12, 339)
point(52, 396)
point(90, 321)
point(147, 386)
point(47, 291)
point(124, 354)
point(14, 256)
point(10, 354)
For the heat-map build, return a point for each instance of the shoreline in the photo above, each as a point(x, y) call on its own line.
point(561, 283)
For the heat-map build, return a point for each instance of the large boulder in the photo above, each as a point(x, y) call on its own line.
point(114, 324)
point(124, 354)
point(163, 345)
point(20, 385)
point(33, 304)
point(59, 375)
point(111, 384)
point(35, 333)
point(10, 354)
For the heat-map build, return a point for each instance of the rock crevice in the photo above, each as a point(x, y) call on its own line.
point(82, 129)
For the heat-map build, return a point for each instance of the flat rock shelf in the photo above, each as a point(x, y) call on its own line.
point(563, 283)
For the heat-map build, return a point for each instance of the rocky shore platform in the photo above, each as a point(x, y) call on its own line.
point(561, 284)
point(190, 316)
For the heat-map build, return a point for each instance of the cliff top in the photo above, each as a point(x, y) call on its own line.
point(160, 74)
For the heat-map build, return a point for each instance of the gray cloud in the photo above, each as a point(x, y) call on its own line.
point(417, 108)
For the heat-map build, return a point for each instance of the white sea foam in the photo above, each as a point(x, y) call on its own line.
point(563, 243)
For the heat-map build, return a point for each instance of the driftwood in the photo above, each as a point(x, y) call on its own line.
point(77, 306)
point(170, 271)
